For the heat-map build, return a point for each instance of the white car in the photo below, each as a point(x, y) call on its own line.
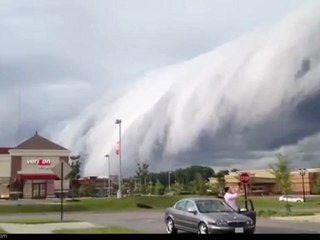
point(295, 199)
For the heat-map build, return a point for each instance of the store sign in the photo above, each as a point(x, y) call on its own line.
point(41, 163)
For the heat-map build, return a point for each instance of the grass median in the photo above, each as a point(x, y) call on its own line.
point(263, 205)
point(271, 206)
point(2, 231)
point(98, 230)
point(95, 204)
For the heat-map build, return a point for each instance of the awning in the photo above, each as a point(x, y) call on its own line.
point(30, 176)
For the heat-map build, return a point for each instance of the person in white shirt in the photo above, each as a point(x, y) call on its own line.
point(231, 198)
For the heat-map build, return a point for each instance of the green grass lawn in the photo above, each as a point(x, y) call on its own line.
point(33, 221)
point(99, 230)
point(95, 204)
point(269, 206)
point(266, 204)
point(2, 231)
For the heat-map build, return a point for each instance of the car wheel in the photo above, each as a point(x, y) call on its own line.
point(170, 226)
point(299, 201)
point(202, 228)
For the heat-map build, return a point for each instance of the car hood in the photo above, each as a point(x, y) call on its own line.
point(226, 216)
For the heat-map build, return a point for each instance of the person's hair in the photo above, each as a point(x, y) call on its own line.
point(226, 189)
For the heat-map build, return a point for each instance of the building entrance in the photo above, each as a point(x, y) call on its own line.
point(39, 190)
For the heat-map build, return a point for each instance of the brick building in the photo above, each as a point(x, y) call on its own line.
point(263, 182)
point(26, 170)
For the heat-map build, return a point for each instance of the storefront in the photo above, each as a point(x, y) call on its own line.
point(5, 168)
point(263, 182)
point(31, 168)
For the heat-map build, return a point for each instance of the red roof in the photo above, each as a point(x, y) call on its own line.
point(4, 150)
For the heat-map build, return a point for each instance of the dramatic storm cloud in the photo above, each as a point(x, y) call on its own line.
point(79, 65)
point(234, 106)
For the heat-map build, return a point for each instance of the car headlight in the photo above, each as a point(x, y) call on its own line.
point(218, 223)
point(249, 222)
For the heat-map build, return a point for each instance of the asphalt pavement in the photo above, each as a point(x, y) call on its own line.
point(152, 221)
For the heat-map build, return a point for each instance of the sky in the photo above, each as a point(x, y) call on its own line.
point(60, 58)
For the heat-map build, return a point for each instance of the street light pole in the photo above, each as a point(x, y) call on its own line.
point(119, 195)
point(303, 172)
point(169, 186)
point(109, 181)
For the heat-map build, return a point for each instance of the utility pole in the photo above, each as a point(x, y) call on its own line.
point(169, 186)
point(109, 181)
point(119, 195)
point(302, 172)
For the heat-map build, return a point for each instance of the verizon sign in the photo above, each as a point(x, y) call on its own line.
point(41, 163)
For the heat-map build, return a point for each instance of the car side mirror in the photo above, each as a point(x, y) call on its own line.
point(242, 210)
point(192, 210)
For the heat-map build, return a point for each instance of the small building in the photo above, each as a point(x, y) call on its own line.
point(263, 182)
point(26, 170)
point(100, 185)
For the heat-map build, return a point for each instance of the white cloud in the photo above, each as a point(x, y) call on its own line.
point(63, 56)
point(241, 85)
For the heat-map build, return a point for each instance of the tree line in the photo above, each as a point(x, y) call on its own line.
point(189, 180)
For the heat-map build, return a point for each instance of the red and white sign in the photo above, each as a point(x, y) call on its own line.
point(40, 162)
point(244, 178)
point(117, 148)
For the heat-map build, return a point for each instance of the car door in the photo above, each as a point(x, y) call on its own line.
point(179, 213)
point(246, 208)
point(190, 219)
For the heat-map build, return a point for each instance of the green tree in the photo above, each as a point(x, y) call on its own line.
point(74, 174)
point(142, 173)
point(180, 176)
point(199, 185)
point(282, 172)
point(221, 182)
point(149, 188)
point(177, 188)
point(131, 186)
point(158, 188)
point(87, 189)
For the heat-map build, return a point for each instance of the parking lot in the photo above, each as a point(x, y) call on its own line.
point(152, 221)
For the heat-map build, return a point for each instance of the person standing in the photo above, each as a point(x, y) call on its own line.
point(230, 198)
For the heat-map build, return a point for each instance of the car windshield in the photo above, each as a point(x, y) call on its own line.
point(211, 205)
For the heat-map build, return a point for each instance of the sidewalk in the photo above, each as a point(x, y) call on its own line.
point(43, 228)
point(312, 218)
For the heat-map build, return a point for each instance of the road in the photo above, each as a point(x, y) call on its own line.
point(152, 221)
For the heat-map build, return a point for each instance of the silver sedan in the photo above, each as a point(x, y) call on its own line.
point(208, 215)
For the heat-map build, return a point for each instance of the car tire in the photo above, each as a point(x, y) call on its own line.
point(299, 201)
point(202, 228)
point(170, 226)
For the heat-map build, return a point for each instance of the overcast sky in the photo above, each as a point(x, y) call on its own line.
point(62, 55)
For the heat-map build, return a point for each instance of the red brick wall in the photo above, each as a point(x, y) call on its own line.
point(15, 167)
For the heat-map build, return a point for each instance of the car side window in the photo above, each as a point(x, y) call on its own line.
point(180, 205)
point(188, 205)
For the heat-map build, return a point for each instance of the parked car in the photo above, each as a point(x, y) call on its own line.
point(287, 198)
point(209, 215)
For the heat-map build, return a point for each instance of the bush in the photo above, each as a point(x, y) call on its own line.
point(73, 200)
point(141, 205)
point(185, 193)
point(87, 190)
